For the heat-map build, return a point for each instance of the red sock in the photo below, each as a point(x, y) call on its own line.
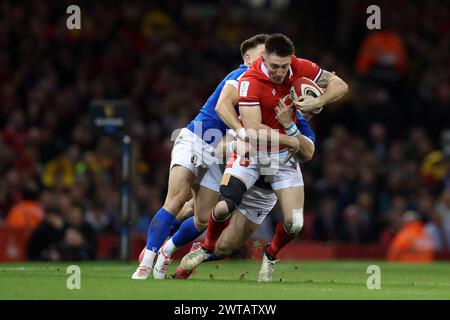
point(280, 239)
point(214, 231)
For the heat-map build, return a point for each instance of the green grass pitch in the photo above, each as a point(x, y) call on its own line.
point(229, 280)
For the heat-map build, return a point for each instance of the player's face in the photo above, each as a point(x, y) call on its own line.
point(254, 53)
point(277, 67)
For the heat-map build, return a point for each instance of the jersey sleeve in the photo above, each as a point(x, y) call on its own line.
point(309, 69)
point(248, 89)
point(234, 81)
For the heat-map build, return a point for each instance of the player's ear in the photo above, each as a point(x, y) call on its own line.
point(247, 59)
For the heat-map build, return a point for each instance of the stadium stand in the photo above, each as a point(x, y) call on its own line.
point(378, 155)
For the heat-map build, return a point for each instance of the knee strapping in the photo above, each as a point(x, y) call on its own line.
point(232, 193)
point(297, 221)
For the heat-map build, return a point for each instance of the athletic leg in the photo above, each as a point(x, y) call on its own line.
point(190, 229)
point(179, 192)
point(291, 202)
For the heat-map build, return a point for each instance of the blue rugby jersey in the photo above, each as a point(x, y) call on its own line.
point(207, 117)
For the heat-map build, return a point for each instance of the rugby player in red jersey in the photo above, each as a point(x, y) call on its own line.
point(261, 90)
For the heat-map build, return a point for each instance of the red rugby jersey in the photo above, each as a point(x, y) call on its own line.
point(256, 89)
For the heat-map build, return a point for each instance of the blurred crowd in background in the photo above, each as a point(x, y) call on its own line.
point(379, 152)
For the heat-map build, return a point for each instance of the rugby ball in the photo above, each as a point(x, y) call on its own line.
point(305, 87)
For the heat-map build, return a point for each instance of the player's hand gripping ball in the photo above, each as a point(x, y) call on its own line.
point(303, 89)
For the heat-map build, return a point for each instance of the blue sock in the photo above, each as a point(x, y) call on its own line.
point(175, 226)
point(159, 229)
point(186, 233)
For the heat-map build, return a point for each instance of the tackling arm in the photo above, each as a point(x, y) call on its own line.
point(306, 151)
point(225, 107)
point(251, 117)
point(284, 117)
point(228, 145)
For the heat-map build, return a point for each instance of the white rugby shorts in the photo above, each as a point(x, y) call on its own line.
point(280, 175)
point(257, 204)
point(194, 154)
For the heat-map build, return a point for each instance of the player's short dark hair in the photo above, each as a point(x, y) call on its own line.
point(253, 42)
point(279, 45)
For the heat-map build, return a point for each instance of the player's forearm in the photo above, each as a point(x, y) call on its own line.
point(306, 146)
point(335, 90)
point(306, 151)
point(258, 131)
point(228, 115)
point(225, 107)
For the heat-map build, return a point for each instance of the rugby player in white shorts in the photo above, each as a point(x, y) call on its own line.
point(261, 90)
point(256, 204)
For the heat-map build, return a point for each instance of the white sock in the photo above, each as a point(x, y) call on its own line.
point(149, 256)
point(169, 248)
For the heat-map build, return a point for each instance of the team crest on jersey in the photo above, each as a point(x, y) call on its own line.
point(244, 88)
point(274, 92)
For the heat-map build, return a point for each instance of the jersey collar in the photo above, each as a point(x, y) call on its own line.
point(264, 69)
